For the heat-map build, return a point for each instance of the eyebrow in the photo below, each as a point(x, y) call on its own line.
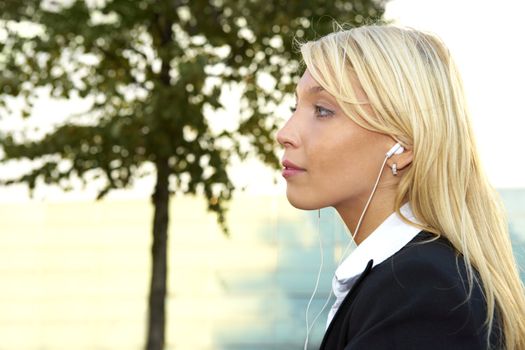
point(312, 90)
point(315, 89)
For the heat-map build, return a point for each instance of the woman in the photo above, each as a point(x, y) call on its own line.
point(433, 268)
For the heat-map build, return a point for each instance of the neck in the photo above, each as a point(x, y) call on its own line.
point(380, 208)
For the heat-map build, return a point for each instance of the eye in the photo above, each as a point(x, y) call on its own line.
point(322, 112)
point(293, 109)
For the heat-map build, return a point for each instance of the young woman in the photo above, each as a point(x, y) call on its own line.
point(433, 267)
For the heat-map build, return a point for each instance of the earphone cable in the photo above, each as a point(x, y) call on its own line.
point(308, 326)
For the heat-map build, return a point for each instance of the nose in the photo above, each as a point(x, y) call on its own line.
point(286, 136)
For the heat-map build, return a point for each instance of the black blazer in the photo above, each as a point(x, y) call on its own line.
point(415, 299)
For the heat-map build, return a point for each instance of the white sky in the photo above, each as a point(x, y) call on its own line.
point(486, 40)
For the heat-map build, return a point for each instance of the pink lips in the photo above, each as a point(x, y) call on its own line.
point(291, 169)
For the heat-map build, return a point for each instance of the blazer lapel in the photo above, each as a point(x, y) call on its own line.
point(347, 299)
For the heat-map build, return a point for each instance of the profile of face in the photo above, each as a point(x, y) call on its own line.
point(338, 160)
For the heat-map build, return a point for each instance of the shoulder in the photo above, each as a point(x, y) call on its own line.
point(426, 265)
point(430, 259)
point(422, 289)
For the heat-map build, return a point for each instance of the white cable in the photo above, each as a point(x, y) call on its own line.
point(309, 327)
point(370, 198)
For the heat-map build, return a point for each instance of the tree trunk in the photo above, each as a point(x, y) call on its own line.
point(157, 296)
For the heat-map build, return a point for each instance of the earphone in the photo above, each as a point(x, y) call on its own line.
point(396, 149)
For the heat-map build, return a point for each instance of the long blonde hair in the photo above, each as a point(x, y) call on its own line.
point(416, 94)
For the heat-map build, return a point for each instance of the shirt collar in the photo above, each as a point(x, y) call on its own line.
point(386, 240)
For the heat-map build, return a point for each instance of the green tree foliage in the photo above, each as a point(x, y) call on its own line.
point(153, 71)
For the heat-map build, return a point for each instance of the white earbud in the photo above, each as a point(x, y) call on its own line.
point(397, 149)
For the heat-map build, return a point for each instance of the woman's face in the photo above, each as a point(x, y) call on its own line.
point(340, 159)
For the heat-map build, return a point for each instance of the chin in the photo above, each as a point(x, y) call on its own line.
point(303, 203)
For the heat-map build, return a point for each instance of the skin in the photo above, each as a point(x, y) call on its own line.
point(341, 160)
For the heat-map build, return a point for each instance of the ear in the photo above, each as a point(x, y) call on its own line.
point(402, 160)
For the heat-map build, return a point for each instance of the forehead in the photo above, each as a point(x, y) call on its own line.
point(308, 85)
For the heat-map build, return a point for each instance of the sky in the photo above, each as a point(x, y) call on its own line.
point(486, 40)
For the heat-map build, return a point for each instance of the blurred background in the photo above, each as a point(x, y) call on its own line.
point(160, 109)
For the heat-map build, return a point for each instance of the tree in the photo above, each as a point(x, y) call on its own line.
point(153, 71)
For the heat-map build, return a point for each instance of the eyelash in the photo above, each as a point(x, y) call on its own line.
point(320, 111)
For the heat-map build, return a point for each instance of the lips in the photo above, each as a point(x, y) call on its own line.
point(291, 169)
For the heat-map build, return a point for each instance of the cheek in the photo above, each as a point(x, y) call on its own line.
point(336, 153)
point(338, 172)
point(337, 166)
point(343, 165)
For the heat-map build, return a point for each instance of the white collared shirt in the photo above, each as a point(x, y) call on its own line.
point(386, 240)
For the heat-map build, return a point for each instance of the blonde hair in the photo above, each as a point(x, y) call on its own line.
point(416, 94)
